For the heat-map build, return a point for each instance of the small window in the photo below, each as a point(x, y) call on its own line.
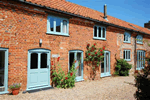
point(99, 32)
point(126, 55)
point(127, 37)
point(139, 39)
point(57, 25)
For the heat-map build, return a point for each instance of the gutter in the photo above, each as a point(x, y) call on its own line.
point(110, 24)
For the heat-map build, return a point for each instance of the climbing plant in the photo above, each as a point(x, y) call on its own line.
point(94, 56)
point(62, 80)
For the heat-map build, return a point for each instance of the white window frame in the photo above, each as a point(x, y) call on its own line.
point(61, 25)
point(127, 37)
point(97, 37)
point(125, 53)
point(139, 39)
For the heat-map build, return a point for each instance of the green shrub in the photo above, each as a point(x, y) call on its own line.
point(64, 81)
point(142, 82)
point(122, 68)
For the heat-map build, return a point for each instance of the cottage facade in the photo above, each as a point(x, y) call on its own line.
point(33, 33)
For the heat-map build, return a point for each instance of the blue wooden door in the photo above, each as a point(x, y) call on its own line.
point(77, 55)
point(38, 69)
point(3, 70)
point(140, 59)
point(105, 66)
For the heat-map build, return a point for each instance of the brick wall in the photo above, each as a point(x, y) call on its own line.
point(22, 26)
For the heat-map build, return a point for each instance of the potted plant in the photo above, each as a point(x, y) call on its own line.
point(15, 88)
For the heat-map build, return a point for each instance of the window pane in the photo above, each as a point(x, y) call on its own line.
point(124, 54)
point(124, 37)
point(107, 62)
point(129, 54)
point(64, 26)
point(52, 24)
point(99, 32)
point(102, 67)
point(95, 31)
point(103, 32)
point(79, 60)
point(58, 24)
point(34, 61)
point(43, 60)
point(127, 38)
point(2, 69)
point(71, 60)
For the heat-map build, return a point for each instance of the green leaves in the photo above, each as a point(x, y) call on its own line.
point(94, 56)
point(64, 81)
point(122, 68)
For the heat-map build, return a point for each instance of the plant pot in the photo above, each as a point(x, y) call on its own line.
point(15, 91)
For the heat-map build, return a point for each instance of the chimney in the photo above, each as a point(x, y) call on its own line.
point(147, 25)
point(105, 11)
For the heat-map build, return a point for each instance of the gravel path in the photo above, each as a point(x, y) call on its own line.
point(108, 88)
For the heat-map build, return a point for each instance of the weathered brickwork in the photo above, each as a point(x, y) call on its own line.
point(21, 27)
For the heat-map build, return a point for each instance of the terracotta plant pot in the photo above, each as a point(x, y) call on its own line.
point(15, 91)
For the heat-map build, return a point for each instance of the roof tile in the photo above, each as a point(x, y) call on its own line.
point(86, 12)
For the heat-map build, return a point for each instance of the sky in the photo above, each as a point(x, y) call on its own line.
point(133, 11)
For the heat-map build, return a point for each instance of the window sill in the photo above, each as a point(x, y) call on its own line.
point(140, 68)
point(126, 42)
point(96, 38)
point(79, 80)
point(127, 59)
point(60, 34)
point(139, 43)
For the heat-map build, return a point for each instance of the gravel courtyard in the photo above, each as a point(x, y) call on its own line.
point(108, 88)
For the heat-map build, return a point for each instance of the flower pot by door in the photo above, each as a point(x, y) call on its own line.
point(15, 91)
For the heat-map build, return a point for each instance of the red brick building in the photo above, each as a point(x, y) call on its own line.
point(34, 32)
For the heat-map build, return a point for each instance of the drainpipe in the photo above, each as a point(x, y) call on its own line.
point(135, 55)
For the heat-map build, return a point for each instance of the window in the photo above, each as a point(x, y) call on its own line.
point(140, 59)
point(57, 25)
point(126, 55)
point(76, 56)
point(34, 60)
point(127, 37)
point(99, 32)
point(139, 39)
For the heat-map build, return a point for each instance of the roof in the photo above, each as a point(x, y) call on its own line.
point(86, 12)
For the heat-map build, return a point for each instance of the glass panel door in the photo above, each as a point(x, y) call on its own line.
point(77, 56)
point(38, 69)
point(140, 59)
point(105, 65)
point(2, 70)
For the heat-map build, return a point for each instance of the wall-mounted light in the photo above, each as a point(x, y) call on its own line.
point(40, 42)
